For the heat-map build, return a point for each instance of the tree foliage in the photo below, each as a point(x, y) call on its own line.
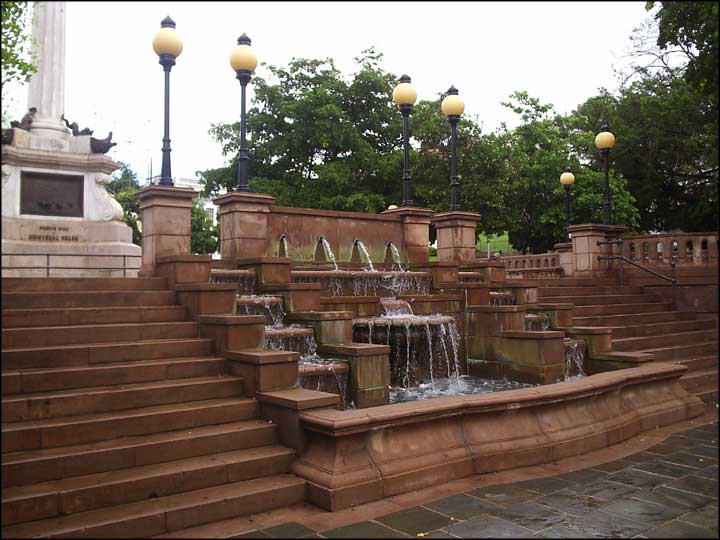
point(17, 61)
point(204, 236)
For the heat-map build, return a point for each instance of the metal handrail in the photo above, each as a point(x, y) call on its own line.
point(47, 267)
point(672, 280)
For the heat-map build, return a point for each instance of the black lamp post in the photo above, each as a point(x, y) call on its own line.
point(453, 106)
point(404, 97)
point(604, 141)
point(168, 46)
point(567, 179)
point(244, 61)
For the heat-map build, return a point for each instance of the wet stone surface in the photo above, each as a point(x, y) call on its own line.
point(668, 491)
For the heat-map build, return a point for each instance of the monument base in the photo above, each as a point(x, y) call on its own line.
point(68, 248)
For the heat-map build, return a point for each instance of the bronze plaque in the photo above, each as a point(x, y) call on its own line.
point(51, 194)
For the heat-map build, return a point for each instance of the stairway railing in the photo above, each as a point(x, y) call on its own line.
point(619, 241)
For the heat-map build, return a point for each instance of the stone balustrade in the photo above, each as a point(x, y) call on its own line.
point(694, 249)
point(543, 265)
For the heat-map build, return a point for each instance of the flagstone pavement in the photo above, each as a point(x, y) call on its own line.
point(659, 484)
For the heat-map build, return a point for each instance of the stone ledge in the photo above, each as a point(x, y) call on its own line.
point(260, 260)
point(299, 399)
point(353, 349)
point(184, 258)
point(585, 330)
point(624, 356)
point(319, 315)
point(279, 287)
point(183, 287)
point(528, 334)
point(231, 320)
point(550, 306)
point(496, 309)
point(262, 357)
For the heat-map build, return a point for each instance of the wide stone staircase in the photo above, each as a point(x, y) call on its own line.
point(119, 421)
point(641, 322)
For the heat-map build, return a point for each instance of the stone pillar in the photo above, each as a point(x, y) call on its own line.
point(587, 246)
point(565, 257)
point(165, 217)
point(244, 224)
point(456, 235)
point(46, 90)
point(416, 232)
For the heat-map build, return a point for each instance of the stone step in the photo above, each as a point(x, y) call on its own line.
point(62, 403)
point(66, 299)
point(26, 318)
point(44, 336)
point(701, 362)
point(48, 379)
point(104, 353)
point(679, 352)
point(603, 299)
point(32, 466)
point(620, 309)
point(576, 282)
point(665, 340)
point(548, 292)
point(708, 395)
point(700, 380)
point(656, 329)
point(55, 432)
point(44, 284)
point(634, 318)
point(170, 513)
point(83, 493)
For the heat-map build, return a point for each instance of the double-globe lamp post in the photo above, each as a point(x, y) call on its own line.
point(452, 107)
point(567, 179)
point(244, 61)
point(604, 141)
point(404, 96)
point(168, 46)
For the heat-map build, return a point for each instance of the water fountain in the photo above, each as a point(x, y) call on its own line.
point(537, 322)
point(360, 253)
point(502, 298)
point(270, 306)
point(283, 246)
point(392, 256)
point(323, 252)
point(245, 279)
point(576, 359)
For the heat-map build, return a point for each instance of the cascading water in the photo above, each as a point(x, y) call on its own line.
point(364, 254)
point(502, 298)
point(361, 283)
point(270, 306)
point(395, 256)
point(537, 322)
point(283, 247)
point(245, 279)
point(328, 251)
point(576, 355)
point(329, 375)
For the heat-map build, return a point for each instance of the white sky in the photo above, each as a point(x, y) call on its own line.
point(560, 52)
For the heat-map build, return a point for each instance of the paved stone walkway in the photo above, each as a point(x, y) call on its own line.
point(669, 490)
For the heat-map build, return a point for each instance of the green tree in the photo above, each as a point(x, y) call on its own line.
point(535, 154)
point(204, 236)
point(17, 60)
point(123, 187)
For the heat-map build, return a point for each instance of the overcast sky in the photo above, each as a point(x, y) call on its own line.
point(560, 52)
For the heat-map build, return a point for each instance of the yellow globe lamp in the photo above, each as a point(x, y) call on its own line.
point(392, 207)
point(242, 57)
point(166, 40)
point(404, 93)
point(604, 140)
point(452, 105)
point(567, 178)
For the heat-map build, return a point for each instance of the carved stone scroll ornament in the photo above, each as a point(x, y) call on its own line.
point(8, 197)
point(102, 206)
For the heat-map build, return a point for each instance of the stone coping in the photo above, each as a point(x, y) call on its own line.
point(354, 273)
point(244, 196)
point(230, 272)
point(468, 285)
point(52, 159)
point(166, 191)
point(279, 287)
point(261, 260)
point(585, 330)
point(481, 264)
point(409, 211)
point(336, 423)
point(262, 356)
point(454, 215)
point(184, 258)
point(299, 398)
point(582, 227)
point(353, 349)
point(431, 297)
point(531, 334)
point(551, 306)
point(623, 356)
point(515, 284)
point(315, 212)
point(182, 287)
point(231, 320)
point(435, 264)
point(349, 299)
point(496, 309)
point(319, 315)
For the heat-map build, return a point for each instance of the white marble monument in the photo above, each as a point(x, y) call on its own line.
point(57, 217)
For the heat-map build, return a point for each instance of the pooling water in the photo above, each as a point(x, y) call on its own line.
point(454, 386)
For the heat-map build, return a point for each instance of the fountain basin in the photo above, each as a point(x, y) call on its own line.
point(365, 283)
point(245, 279)
point(354, 457)
point(291, 338)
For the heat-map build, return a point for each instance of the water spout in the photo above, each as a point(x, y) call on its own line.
point(282, 246)
point(326, 251)
point(392, 255)
point(364, 254)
